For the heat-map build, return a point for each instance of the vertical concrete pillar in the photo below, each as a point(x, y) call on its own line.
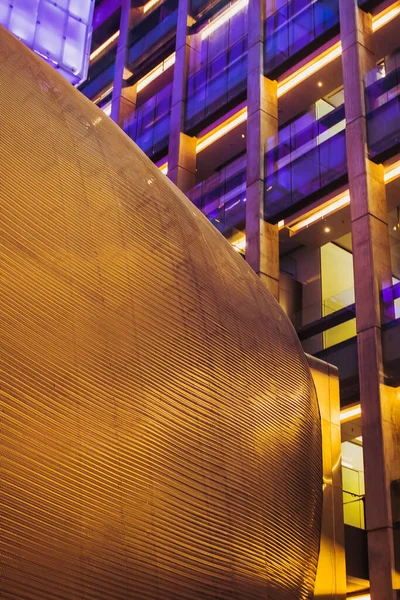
point(262, 240)
point(372, 271)
point(182, 148)
point(330, 581)
point(123, 101)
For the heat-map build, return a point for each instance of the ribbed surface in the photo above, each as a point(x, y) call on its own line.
point(160, 435)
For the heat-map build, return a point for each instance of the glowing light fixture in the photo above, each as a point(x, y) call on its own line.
point(164, 168)
point(385, 17)
point(392, 172)
point(221, 130)
point(364, 597)
point(156, 72)
point(226, 15)
point(309, 69)
point(347, 414)
point(149, 5)
point(104, 46)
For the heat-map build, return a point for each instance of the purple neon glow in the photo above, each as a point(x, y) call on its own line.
point(57, 30)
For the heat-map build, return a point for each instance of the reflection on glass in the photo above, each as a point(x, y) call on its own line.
point(382, 97)
point(218, 69)
point(353, 483)
point(294, 26)
point(149, 125)
point(309, 155)
point(222, 197)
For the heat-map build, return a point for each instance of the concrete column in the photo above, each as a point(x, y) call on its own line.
point(262, 239)
point(330, 583)
point(182, 148)
point(123, 102)
point(372, 271)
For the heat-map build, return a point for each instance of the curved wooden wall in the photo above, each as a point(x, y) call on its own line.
point(160, 436)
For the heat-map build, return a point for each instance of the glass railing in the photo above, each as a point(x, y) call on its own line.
point(222, 197)
point(309, 157)
point(295, 27)
point(141, 45)
point(216, 84)
point(382, 98)
point(103, 79)
point(149, 125)
point(353, 510)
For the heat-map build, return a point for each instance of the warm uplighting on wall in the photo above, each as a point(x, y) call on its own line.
point(226, 15)
point(385, 16)
point(221, 130)
point(104, 46)
point(350, 413)
point(156, 72)
point(309, 69)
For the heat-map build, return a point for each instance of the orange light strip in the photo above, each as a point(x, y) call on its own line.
point(309, 69)
point(392, 172)
point(221, 130)
point(385, 16)
point(150, 5)
point(164, 168)
point(223, 18)
point(156, 72)
point(350, 413)
point(104, 46)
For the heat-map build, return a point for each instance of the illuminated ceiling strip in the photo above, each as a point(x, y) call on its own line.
point(149, 5)
point(347, 414)
point(385, 16)
point(156, 72)
point(309, 69)
point(228, 14)
point(221, 130)
point(164, 168)
point(364, 597)
point(103, 47)
point(337, 203)
point(392, 172)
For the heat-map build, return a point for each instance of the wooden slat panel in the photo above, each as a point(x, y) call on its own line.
point(160, 435)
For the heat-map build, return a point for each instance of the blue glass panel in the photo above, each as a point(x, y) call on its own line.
point(294, 27)
point(149, 125)
point(310, 156)
point(217, 83)
point(382, 98)
point(154, 38)
point(222, 197)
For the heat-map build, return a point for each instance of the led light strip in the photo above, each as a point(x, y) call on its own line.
point(221, 130)
point(309, 69)
point(228, 14)
point(392, 172)
point(164, 168)
point(156, 72)
point(347, 414)
point(364, 597)
point(385, 17)
point(150, 5)
point(104, 46)
point(333, 205)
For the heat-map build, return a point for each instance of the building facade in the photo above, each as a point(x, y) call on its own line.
point(281, 122)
